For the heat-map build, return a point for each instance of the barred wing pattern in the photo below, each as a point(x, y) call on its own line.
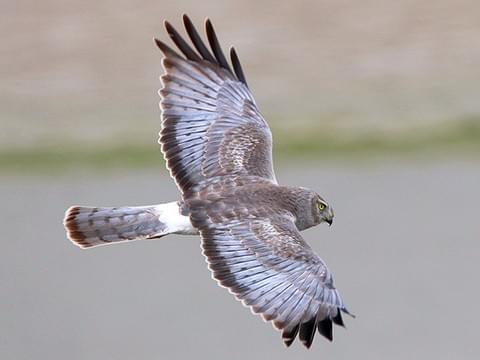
point(267, 265)
point(215, 142)
point(211, 126)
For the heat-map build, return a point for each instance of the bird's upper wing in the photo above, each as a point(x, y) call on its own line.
point(267, 265)
point(210, 123)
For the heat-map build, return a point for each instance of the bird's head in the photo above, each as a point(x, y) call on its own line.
point(311, 209)
point(322, 211)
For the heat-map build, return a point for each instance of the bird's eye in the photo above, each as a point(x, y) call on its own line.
point(321, 206)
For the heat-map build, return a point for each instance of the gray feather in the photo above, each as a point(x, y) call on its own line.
point(90, 226)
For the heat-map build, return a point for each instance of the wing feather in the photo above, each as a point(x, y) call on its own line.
point(197, 40)
point(214, 141)
point(250, 256)
point(211, 126)
point(289, 335)
point(237, 67)
point(181, 43)
point(307, 332)
point(215, 45)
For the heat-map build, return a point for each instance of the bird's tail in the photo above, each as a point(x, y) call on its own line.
point(93, 226)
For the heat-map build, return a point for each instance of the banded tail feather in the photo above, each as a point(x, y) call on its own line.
point(94, 226)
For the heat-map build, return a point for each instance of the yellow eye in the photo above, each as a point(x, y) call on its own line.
point(321, 206)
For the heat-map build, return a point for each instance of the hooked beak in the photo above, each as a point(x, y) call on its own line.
point(329, 217)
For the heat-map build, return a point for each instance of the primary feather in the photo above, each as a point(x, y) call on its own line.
point(211, 125)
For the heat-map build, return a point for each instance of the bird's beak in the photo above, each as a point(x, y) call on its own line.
point(329, 216)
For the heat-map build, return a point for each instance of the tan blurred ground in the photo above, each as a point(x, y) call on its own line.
point(87, 71)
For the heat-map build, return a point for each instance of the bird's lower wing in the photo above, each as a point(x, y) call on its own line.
point(267, 265)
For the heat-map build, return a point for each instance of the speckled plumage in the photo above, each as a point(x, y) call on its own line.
point(218, 149)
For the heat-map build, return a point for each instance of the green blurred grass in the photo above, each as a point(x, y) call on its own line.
point(460, 138)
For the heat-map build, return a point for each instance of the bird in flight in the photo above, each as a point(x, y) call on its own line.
point(218, 149)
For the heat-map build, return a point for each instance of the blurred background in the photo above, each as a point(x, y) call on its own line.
point(373, 104)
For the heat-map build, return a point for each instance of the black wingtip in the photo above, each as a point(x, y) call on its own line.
point(237, 67)
point(197, 40)
point(338, 320)
point(288, 342)
point(159, 43)
point(181, 44)
point(167, 25)
point(208, 23)
point(290, 335)
point(170, 30)
point(164, 48)
point(307, 332)
point(215, 45)
point(186, 19)
point(325, 328)
point(202, 52)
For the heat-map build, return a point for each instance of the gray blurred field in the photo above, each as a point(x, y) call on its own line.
point(404, 251)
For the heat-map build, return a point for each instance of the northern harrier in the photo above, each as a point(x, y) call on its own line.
point(218, 149)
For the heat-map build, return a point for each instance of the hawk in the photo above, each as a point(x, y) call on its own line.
point(218, 149)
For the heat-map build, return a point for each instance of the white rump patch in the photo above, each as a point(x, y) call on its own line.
point(176, 223)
